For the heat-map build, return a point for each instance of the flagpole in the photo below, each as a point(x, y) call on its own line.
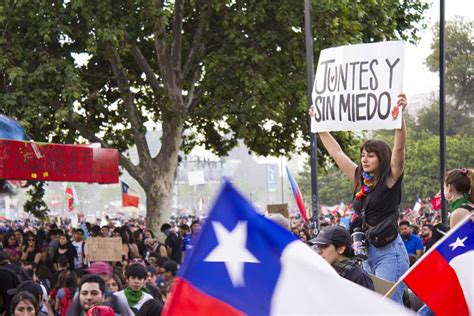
point(312, 136)
point(448, 234)
point(442, 111)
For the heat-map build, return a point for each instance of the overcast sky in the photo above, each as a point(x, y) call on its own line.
point(417, 77)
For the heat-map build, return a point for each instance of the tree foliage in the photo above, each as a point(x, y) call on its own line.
point(207, 72)
point(459, 51)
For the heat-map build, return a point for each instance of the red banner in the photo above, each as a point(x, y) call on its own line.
point(20, 160)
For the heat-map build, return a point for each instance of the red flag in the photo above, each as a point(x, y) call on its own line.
point(71, 197)
point(436, 201)
point(128, 199)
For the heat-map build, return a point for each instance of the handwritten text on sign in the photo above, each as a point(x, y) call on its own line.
point(104, 248)
point(356, 87)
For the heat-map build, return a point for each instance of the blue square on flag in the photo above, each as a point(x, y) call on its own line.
point(243, 263)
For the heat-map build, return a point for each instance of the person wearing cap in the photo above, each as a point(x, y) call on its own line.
point(30, 287)
point(334, 245)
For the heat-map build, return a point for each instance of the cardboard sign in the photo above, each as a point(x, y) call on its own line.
point(21, 160)
point(104, 248)
point(356, 87)
point(278, 208)
point(382, 286)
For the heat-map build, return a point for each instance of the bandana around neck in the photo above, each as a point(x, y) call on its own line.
point(366, 187)
point(456, 204)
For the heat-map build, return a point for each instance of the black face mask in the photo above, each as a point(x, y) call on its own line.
point(29, 273)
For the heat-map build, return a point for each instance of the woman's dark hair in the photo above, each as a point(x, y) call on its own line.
point(348, 252)
point(136, 270)
point(27, 237)
point(117, 280)
point(384, 154)
point(71, 282)
point(462, 180)
point(61, 281)
point(23, 296)
point(150, 308)
point(5, 239)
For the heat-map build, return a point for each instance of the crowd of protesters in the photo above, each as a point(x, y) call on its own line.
point(44, 269)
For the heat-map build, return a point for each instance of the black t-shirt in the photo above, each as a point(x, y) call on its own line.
point(382, 201)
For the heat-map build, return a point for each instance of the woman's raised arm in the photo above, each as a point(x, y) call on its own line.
point(398, 153)
point(344, 163)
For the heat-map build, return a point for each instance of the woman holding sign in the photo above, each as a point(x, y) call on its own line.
point(377, 184)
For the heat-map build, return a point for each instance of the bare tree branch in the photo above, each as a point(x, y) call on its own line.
point(177, 36)
point(138, 131)
point(195, 100)
point(146, 68)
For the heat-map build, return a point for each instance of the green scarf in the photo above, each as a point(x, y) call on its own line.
point(456, 204)
point(134, 297)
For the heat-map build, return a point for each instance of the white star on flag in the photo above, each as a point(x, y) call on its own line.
point(458, 243)
point(232, 251)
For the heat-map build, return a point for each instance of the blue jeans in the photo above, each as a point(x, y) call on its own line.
point(425, 311)
point(389, 263)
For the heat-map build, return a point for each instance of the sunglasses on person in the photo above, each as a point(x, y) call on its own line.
point(31, 239)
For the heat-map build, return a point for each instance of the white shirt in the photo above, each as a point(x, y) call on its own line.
point(123, 300)
point(79, 260)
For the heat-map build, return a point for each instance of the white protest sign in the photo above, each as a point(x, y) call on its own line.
point(356, 87)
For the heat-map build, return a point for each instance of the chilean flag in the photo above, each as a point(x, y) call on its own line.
point(418, 204)
point(297, 194)
point(444, 277)
point(128, 199)
point(243, 263)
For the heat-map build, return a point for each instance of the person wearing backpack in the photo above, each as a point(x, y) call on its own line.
point(65, 295)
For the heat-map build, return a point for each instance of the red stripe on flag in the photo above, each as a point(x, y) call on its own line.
point(435, 282)
point(299, 202)
point(185, 299)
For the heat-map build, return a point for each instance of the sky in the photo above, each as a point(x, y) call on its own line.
point(418, 79)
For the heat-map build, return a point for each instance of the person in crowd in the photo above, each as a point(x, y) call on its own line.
point(66, 293)
point(439, 230)
point(173, 243)
point(377, 183)
point(31, 287)
point(11, 246)
point(415, 229)
point(426, 232)
point(25, 304)
point(135, 294)
point(150, 308)
point(104, 231)
point(113, 283)
point(53, 241)
point(19, 237)
point(459, 192)
point(66, 250)
point(6, 263)
point(31, 251)
point(276, 217)
point(91, 294)
point(170, 268)
point(334, 245)
point(79, 245)
point(413, 243)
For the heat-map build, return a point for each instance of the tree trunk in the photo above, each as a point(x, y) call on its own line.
point(159, 191)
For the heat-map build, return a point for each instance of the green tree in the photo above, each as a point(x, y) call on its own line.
point(206, 72)
point(333, 186)
point(459, 53)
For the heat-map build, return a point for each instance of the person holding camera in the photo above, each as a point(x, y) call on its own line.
point(334, 245)
point(377, 186)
